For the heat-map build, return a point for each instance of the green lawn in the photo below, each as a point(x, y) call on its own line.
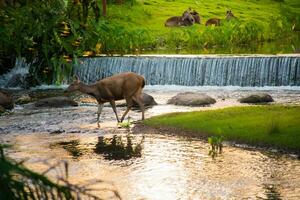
point(259, 21)
point(277, 126)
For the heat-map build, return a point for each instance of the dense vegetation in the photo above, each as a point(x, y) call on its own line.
point(275, 126)
point(52, 34)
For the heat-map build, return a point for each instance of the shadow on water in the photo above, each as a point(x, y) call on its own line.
point(115, 149)
point(72, 147)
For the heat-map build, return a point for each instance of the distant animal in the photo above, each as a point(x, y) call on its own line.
point(217, 21)
point(126, 86)
point(196, 17)
point(187, 19)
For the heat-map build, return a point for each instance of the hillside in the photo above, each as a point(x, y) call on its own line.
point(267, 23)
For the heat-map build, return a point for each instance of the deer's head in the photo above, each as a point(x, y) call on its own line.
point(229, 15)
point(74, 86)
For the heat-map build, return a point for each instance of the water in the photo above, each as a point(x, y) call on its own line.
point(198, 70)
point(189, 70)
point(170, 167)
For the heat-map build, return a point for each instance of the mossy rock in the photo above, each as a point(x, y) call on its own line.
point(257, 98)
point(23, 99)
point(191, 99)
point(55, 102)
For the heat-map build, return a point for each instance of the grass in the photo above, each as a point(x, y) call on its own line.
point(275, 126)
point(258, 21)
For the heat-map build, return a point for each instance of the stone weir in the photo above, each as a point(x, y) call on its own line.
point(197, 70)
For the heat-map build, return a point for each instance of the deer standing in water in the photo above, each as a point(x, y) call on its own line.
point(126, 86)
point(217, 21)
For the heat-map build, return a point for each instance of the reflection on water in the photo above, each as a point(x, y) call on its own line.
point(115, 149)
point(169, 167)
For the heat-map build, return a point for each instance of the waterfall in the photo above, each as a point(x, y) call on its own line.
point(197, 70)
point(14, 77)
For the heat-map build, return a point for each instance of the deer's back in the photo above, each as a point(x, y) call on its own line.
point(120, 85)
point(213, 21)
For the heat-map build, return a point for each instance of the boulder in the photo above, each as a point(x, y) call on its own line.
point(191, 99)
point(23, 99)
point(55, 102)
point(257, 98)
point(6, 101)
point(2, 110)
point(147, 99)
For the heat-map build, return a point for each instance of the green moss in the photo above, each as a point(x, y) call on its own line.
point(276, 126)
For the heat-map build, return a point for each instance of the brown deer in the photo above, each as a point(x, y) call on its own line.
point(126, 86)
point(187, 19)
point(217, 21)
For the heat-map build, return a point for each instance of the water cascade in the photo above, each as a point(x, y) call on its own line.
point(198, 70)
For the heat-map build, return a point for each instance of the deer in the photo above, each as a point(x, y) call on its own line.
point(217, 21)
point(127, 85)
point(187, 19)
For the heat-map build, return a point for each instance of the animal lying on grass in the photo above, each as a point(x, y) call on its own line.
point(188, 18)
point(217, 21)
point(126, 86)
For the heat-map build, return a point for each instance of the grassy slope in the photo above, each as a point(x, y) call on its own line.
point(252, 125)
point(151, 14)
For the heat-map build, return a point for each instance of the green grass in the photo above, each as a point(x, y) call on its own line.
point(275, 126)
point(142, 26)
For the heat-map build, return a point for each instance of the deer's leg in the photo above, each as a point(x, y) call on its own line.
point(138, 99)
point(129, 105)
point(113, 105)
point(100, 107)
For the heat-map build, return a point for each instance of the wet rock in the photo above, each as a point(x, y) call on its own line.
point(59, 131)
point(55, 102)
point(23, 99)
point(2, 110)
point(147, 99)
point(257, 98)
point(6, 101)
point(191, 99)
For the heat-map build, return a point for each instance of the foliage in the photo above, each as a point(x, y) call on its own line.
point(51, 35)
point(114, 148)
point(249, 125)
point(42, 33)
point(18, 182)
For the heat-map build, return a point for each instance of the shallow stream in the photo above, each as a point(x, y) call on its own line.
point(170, 167)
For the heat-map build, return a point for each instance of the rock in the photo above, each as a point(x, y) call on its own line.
point(191, 99)
point(2, 110)
point(147, 99)
point(55, 102)
point(23, 99)
point(257, 98)
point(6, 101)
